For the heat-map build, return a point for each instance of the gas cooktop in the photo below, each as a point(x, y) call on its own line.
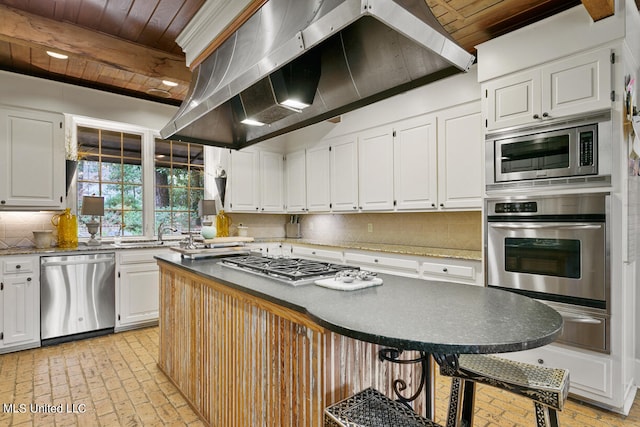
point(295, 271)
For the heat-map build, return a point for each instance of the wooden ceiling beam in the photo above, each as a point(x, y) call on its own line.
point(599, 9)
point(34, 31)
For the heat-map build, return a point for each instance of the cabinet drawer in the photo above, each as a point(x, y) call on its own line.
point(324, 254)
point(136, 256)
point(382, 262)
point(465, 272)
point(20, 265)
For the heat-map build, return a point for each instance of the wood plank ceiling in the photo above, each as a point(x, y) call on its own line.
point(128, 46)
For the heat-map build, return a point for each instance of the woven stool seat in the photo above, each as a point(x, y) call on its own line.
point(547, 387)
point(370, 408)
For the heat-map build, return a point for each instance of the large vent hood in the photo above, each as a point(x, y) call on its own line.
point(339, 54)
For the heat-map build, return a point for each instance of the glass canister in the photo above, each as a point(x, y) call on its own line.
point(222, 224)
point(67, 225)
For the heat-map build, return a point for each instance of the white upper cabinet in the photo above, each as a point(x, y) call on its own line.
point(513, 100)
point(244, 178)
point(318, 179)
point(296, 182)
point(429, 162)
point(575, 85)
point(32, 172)
point(375, 169)
point(415, 163)
point(257, 181)
point(578, 84)
point(271, 182)
point(460, 157)
point(344, 173)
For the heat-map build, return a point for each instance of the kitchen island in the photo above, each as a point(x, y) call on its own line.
point(249, 350)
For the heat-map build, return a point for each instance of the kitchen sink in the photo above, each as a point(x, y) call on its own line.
point(146, 244)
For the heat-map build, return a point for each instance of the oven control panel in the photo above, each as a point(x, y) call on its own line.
point(516, 207)
point(586, 148)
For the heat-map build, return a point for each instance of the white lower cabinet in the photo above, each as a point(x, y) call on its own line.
point(590, 373)
point(271, 249)
point(465, 271)
point(137, 290)
point(19, 303)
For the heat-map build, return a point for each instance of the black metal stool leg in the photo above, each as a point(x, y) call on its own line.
point(468, 399)
point(545, 416)
point(454, 402)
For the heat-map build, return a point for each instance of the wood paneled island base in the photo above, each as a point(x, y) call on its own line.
point(241, 360)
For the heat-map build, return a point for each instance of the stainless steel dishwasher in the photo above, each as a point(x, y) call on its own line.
point(77, 296)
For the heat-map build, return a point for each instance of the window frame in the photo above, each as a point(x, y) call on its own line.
point(148, 168)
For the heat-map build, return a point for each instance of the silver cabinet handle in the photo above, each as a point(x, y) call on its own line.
point(581, 319)
point(548, 226)
point(74, 262)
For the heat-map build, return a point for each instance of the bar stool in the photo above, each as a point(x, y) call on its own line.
point(370, 408)
point(547, 387)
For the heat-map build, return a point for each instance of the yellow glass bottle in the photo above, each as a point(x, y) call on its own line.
point(222, 224)
point(67, 225)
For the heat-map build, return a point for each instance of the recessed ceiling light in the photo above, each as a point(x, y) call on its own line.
point(57, 55)
point(169, 83)
point(159, 93)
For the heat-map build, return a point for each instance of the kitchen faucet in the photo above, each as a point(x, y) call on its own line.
point(162, 228)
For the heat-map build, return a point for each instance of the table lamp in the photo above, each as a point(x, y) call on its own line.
point(206, 208)
point(94, 206)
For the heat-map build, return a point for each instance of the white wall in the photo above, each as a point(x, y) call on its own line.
point(560, 35)
point(41, 94)
point(458, 89)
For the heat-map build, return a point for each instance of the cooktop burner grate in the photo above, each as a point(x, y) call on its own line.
point(292, 270)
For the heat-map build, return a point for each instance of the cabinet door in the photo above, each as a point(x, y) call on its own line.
point(138, 293)
point(271, 182)
point(31, 159)
point(577, 85)
point(244, 181)
point(318, 179)
point(460, 154)
point(296, 183)
point(415, 164)
point(20, 309)
point(375, 169)
point(513, 100)
point(344, 174)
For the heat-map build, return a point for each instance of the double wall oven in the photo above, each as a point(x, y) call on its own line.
point(546, 228)
point(555, 249)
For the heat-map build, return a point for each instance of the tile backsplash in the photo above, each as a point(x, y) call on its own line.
point(16, 227)
point(448, 230)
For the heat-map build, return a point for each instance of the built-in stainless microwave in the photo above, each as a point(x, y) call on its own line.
point(529, 156)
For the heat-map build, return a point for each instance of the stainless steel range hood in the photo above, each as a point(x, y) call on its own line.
point(364, 51)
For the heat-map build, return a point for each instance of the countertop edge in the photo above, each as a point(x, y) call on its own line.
point(424, 251)
point(315, 306)
point(419, 251)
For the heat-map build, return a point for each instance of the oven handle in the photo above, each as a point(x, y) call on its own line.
point(580, 319)
point(547, 226)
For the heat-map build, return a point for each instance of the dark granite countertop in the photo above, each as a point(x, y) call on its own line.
point(82, 247)
point(412, 314)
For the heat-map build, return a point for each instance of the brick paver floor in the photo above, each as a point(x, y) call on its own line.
point(114, 381)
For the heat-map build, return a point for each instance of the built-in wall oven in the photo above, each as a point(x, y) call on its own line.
point(569, 153)
point(554, 249)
